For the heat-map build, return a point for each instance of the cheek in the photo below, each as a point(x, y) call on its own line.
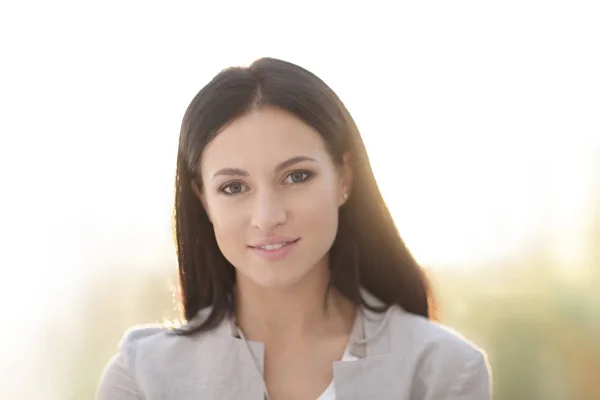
point(227, 225)
point(319, 213)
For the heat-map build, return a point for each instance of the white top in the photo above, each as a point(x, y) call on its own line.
point(329, 393)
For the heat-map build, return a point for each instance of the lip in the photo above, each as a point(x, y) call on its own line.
point(276, 254)
point(274, 240)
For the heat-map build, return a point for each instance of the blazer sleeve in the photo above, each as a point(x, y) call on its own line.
point(454, 375)
point(117, 382)
point(472, 382)
point(120, 381)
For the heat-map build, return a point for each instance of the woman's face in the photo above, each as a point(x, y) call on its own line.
point(272, 193)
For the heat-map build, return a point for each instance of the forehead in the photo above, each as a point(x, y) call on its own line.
point(263, 137)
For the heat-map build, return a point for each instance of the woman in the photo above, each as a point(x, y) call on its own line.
point(295, 283)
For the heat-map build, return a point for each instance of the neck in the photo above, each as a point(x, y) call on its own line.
point(290, 313)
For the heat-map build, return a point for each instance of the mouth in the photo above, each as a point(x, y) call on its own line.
point(275, 246)
point(275, 250)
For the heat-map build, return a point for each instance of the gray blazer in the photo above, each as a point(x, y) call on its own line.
point(401, 356)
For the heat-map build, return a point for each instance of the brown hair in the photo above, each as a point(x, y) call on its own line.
point(367, 251)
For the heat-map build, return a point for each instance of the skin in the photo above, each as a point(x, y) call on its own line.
point(248, 199)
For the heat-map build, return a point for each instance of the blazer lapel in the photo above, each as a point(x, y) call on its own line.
point(372, 376)
point(367, 378)
point(230, 369)
point(237, 375)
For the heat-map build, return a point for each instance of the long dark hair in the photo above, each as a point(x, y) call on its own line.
point(367, 252)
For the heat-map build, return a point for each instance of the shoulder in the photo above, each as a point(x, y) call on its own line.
point(145, 354)
point(415, 334)
point(118, 380)
point(142, 337)
point(150, 344)
point(427, 334)
point(442, 359)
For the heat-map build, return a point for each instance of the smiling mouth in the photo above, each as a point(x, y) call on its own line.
point(275, 246)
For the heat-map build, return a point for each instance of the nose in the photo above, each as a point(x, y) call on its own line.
point(269, 211)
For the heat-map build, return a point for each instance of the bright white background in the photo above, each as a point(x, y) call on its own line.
point(482, 121)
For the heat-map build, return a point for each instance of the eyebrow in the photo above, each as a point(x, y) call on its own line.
point(281, 166)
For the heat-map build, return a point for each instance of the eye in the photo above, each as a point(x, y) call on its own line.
point(298, 177)
point(233, 188)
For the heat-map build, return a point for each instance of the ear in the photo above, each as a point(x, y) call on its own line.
point(198, 192)
point(346, 179)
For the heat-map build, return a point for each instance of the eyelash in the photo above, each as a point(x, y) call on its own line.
point(309, 176)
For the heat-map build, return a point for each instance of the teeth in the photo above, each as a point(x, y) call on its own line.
point(273, 246)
